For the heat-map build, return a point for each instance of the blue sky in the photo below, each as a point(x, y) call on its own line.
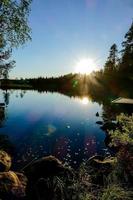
point(65, 31)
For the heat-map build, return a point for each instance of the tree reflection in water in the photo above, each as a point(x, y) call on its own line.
point(5, 143)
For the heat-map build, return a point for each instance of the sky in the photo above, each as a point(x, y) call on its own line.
point(66, 31)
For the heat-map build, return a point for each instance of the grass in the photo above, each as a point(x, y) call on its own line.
point(116, 192)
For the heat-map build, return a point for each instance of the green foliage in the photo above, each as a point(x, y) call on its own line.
point(5, 64)
point(86, 196)
point(122, 138)
point(123, 135)
point(14, 29)
point(59, 186)
point(116, 192)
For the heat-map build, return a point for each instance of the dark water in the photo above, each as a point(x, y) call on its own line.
point(38, 124)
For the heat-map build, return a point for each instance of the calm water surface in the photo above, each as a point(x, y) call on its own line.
point(40, 124)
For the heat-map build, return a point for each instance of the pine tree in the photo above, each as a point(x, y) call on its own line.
point(112, 61)
point(126, 65)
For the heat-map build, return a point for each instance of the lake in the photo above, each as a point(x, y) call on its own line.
point(34, 124)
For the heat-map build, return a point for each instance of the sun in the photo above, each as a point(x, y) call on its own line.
point(85, 66)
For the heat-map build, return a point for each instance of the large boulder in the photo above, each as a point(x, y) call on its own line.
point(12, 185)
point(107, 126)
point(42, 177)
point(5, 161)
point(99, 167)
point(45, 167)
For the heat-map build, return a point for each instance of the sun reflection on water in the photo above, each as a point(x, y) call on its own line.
point(85, 100)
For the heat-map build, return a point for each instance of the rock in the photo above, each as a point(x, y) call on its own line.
point(5, 161)
point(109, 126)
point(98, 167)
point(12, 185)
point(47, 189)
point(102, 163)
point(97, 114)
point(2, 104)
point(99, 122)
point(41, 175)
point(44, 167)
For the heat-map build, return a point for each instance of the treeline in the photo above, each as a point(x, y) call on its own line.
point(116, 78)
point(117, 74)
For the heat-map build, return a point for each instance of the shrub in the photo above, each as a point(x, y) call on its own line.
point(122, 138)
point(123, 135)
point(116, 192)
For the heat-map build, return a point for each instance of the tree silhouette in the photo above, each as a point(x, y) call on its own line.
point(112, 61)
point(126, 65)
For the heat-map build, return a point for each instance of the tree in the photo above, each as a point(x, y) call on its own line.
point(5, 65)
point(14, 30)
point(127, 52)
point(112, 61)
